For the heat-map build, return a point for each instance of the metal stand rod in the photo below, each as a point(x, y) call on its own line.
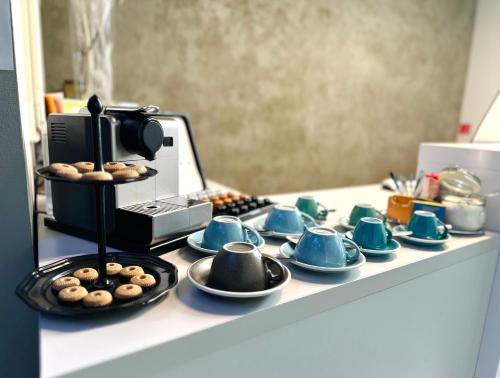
point(101, 235)
point(95, 108)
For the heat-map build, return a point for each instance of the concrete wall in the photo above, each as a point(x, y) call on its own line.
point(291, 94)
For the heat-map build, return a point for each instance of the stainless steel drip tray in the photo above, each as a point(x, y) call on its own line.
point(153, 208)
point(155, 220)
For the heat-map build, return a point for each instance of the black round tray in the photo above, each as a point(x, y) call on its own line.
point(48, 175)
point(36, 289)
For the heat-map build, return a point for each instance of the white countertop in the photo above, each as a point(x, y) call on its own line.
point(188, 319)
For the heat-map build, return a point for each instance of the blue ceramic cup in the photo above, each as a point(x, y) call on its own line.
point(322, 246)
point(286, 220)
point(426, 225)
point(371, 233)
point(226, 229)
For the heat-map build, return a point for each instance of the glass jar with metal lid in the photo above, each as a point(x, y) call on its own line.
point(459, 182)
point(465, 207)
point(465, 213)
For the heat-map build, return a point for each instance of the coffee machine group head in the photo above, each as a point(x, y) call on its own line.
point(140, 132)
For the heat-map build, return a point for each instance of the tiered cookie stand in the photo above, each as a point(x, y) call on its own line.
point(36, 289)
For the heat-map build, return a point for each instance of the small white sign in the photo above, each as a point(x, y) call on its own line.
point(6, 48)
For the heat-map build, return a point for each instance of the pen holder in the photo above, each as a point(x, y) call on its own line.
point(400, 208)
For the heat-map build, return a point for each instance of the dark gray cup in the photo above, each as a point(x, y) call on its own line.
point(240, 266)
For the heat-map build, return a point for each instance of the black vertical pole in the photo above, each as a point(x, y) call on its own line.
point(95, 108)
point(102, 282)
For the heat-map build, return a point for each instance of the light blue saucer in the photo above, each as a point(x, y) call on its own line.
point(421, 242)
point(288, 249)
point(259, 226)
point(194, 241)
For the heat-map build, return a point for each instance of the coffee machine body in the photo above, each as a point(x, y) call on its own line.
point(142, 213)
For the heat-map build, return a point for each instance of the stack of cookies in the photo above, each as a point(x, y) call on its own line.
point(71, 289)
point(84, 170)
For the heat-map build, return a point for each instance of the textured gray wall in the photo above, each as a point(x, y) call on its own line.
point(292, 94)
point(19, 341)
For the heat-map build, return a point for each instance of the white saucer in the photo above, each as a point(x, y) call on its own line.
point(344, 222)
point(198, 275)
point(420, 241)
point(454, 231)
point(194, 241)
point(287, 250)
point(259, 226)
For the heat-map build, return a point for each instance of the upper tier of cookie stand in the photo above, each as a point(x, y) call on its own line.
point(48, 175)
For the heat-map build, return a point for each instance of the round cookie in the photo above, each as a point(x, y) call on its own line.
point(131, 271)
point(114, 166)
point(113, 268)
point(84, 166)
point(97, 176)
point(54, 167)
point(86, 274)
point(97, 298)
point(141, 169)
point(123, 174)
point(143, 280)
point(64, 282)
point(128, 291)
point(72, 294)
point(69, 174)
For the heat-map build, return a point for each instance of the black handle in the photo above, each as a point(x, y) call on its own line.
point(95, 107)
point(272, 277)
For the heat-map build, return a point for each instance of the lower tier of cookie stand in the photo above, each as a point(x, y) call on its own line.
point(36, 289)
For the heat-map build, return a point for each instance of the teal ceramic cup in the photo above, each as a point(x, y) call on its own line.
point(226, 229)
point(286, 220)
point(322, 246)
point(360, 211)
point(426, 225)
point(371, 233)
point(308, 205)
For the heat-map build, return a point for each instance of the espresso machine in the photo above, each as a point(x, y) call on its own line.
point(147, 216)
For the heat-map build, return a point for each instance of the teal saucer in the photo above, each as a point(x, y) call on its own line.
point(287, 250)
point(392, 247)
point(259, 226)
point(194, 241)
point(419, 241)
